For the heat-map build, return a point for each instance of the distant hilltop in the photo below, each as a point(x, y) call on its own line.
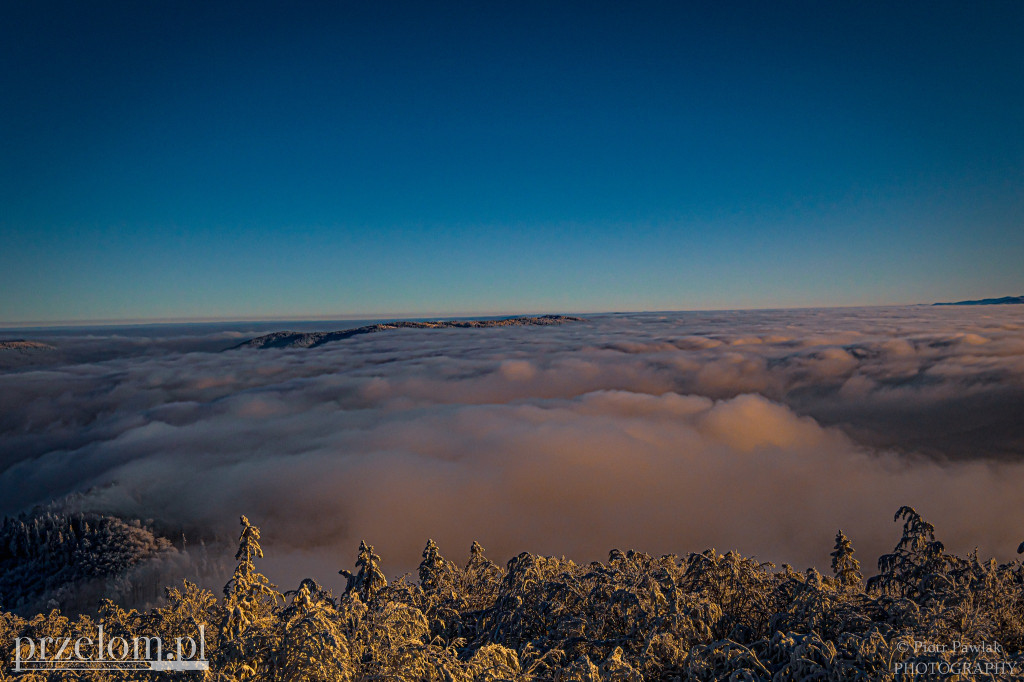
point(1005, 300)
point(313, 339)
point(23, 345)
point(20, 353)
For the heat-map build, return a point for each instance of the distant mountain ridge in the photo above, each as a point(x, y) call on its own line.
point(290, 339)
point(1005, 300)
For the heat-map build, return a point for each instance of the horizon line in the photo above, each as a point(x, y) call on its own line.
point(404, 315)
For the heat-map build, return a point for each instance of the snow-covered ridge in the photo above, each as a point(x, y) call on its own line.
point(288, 339)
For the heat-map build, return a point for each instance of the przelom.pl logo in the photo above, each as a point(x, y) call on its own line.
point(110, 653)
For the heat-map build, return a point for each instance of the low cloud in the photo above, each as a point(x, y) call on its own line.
point(758, 431)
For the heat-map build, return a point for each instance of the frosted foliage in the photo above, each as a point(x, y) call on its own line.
point(706, 616)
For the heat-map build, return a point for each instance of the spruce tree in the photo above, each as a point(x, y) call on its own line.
point(369, 580)
point(844, 566)
point(251, 605)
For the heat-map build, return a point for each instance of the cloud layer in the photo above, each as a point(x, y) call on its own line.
point(760, 431)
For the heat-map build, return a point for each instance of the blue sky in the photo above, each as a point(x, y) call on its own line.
point(182, 160)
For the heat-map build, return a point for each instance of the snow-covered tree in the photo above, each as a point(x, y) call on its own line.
point(844, 566)
point(250, 606)
point(368, 579)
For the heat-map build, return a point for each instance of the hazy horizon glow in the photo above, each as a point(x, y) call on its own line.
point(334, 322)
point(258, 159)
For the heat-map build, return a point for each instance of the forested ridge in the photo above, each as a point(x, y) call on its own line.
point(704, 616)
point(57, 558)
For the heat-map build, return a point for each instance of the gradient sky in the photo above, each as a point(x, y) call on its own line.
point(177, 160)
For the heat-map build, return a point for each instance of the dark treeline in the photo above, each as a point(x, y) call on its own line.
point(706, 616)
point(54, 557)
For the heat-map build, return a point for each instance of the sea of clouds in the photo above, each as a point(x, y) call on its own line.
point(761, 431)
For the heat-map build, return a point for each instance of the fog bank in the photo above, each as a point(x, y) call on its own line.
point(762, 431)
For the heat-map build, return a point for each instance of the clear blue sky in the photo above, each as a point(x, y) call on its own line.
point(205, 159)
